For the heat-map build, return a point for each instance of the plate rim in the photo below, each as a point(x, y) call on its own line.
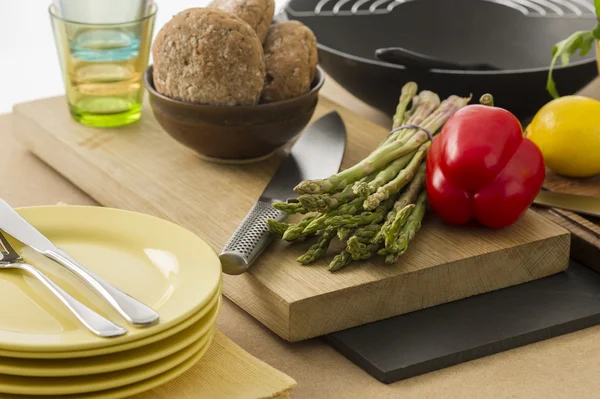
point(71, 387)
point(148, 384)
point(117, 364)
point(107, 350)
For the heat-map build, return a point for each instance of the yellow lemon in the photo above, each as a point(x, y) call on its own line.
point(567, 131)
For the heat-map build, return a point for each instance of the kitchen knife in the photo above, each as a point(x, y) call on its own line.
point(571, 202)
point(316, 154)
point(130, 308)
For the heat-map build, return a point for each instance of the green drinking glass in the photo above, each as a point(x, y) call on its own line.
point(102, 65)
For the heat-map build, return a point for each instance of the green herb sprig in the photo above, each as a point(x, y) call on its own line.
point(581, 41)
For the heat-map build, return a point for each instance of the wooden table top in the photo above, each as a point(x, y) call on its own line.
point(562, 367)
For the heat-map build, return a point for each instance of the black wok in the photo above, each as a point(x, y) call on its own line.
point(515, 36)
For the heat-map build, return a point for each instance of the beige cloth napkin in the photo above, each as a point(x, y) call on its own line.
point(226, 372)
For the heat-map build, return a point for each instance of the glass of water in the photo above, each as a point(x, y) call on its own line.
point(103, 54)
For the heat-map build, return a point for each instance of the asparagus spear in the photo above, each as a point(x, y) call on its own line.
point(361, 219)
point(290, 207)
point(408, 197)
point(487, 99)
point(397, 183)
point(326, 203)
point(410, 112)
point(389, 173)
point(359, 245)
point(318, 249)
point(406, 94)
point(351, 208)
point(344, 232)
point(384, 154)
point(366, 233)
point(413, 224)
point(359, 250)
point(312, 226)
point(427, 103)
point(340, 261)
point(294, 231)
point(391, 235)
point(390, 259)
point(277, 228)
point(415, 103)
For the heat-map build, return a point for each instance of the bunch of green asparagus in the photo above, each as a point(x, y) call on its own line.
point(377, 205)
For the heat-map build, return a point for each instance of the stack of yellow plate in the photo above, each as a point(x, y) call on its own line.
point(44, 350)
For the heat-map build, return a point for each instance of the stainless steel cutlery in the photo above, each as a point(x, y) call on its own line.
point(130, 308)
point(10, 259)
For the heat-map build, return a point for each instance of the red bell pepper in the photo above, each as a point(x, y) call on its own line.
point(481, 167)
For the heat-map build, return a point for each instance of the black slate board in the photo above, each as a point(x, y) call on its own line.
point(431, 339)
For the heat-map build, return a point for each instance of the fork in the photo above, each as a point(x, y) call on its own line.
point(10, 259)
point(130, 308)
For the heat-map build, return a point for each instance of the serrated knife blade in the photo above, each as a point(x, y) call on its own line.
point(318, 153)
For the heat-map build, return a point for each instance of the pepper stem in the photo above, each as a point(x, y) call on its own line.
point(487, 99)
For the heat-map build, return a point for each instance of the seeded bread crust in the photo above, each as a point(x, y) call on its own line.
point(290, 60)
point(257, 13)
point(208, 56)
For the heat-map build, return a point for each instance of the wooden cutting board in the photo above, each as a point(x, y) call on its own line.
point(140, 168)
point(585, 230)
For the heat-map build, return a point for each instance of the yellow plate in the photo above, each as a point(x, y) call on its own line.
point(118, 361)
point(161, 336)
point(133, 389)
point(160, 263)
point(59, 386)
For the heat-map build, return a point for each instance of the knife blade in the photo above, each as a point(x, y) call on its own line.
point(316, 154)
point(571, 202)
point(130, 308)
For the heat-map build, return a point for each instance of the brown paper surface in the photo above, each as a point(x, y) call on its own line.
point(562, 367)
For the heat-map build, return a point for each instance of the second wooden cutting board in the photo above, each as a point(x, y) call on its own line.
point(140, 168)
point(585, 230)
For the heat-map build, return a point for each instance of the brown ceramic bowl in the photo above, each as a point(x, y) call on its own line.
point(236, 133)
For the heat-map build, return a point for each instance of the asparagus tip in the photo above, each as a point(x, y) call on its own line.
point(374, 200)
point(277, 228)
point(340, 261)
point(487, 99)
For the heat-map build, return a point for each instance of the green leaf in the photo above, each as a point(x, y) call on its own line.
point(581, 41)
point(596, 31)
point(597, 4)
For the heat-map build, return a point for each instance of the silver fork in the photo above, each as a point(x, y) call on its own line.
point(10, 259)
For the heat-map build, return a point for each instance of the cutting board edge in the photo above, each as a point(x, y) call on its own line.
point(474, 353)
point(560, 243)
point(378, 364)
point(585, 245)
point(268, 307)
point(18, 107)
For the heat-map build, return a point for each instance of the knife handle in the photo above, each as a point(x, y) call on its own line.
point(250, 239)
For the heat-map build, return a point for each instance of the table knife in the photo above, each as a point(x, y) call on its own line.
point(316, 154)
point(130, 308)
point(571, 202)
